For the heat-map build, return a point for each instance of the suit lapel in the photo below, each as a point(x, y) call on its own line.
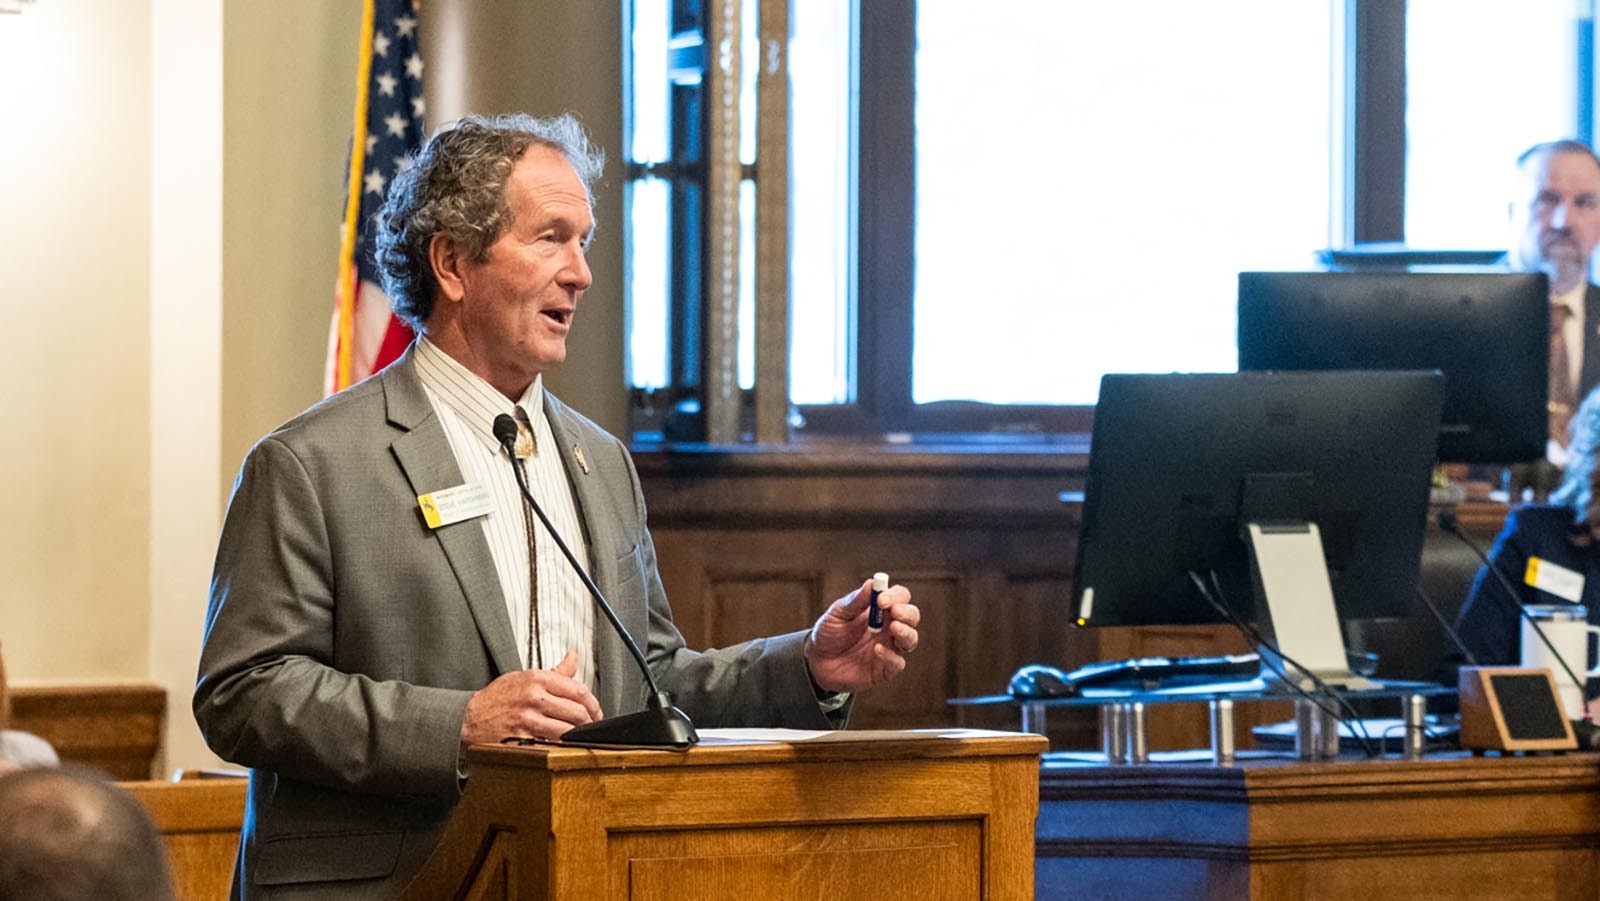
point(1589, 372)
point(613, 663)
point(424, 454)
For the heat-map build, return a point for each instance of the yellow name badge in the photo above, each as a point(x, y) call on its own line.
point(1558, 580)
point(441, 508)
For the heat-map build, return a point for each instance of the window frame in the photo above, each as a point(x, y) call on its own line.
point(886, 213)
point(1371, 168)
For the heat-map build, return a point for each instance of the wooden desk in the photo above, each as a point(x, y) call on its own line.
point(199, 822)
point(920, 820)
point(1458, 827)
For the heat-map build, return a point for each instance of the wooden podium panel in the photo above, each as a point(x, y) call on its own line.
point(199, 821)
point(911, 861)
point(876, 816)
point(1451, 827)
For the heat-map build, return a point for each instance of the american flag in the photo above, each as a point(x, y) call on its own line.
point(365, 336)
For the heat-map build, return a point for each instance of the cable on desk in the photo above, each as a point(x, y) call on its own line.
point(1358, 729)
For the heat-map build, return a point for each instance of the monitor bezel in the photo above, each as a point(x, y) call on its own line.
point(1487, 330)
point(1171, 458)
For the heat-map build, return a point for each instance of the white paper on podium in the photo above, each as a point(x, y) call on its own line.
point(739, 736)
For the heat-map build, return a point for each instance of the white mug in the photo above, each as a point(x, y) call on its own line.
point(1567, 627)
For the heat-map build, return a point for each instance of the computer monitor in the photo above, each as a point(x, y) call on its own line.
point(1488, 331)
point(1230, 477)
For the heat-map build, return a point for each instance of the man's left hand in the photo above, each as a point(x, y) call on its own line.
point(844, 656)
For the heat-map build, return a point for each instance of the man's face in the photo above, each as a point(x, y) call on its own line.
point(517, 306)
point(1556, 216)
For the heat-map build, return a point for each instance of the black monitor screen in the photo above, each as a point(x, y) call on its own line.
point(1487, 331)
point(1179, 463)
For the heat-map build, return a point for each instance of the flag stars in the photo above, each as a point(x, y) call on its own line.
point(396, 124)
point(414, 65)
point(386, 84)
point(372, 143)
point(380, 44)
point(405, 25)
point(375, 182)
point(402, 163)
point(418, 107)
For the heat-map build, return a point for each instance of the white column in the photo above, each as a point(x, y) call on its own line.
point(185, 351)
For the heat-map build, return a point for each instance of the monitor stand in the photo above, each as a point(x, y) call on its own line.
point(1292, 577)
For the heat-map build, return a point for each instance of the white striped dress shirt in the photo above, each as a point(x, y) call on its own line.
point(466, 406)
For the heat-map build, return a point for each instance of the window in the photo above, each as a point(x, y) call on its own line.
point(986, 211)
point(1089, 182)
point(1465, 121)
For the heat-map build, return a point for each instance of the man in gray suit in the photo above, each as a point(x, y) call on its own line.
point(381, 599)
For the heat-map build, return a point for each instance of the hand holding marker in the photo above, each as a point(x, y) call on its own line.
point(880, 583)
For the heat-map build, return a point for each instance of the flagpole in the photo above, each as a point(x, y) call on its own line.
point(346, 287)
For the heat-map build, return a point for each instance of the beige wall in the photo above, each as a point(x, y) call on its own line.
point(74, 247)
point(288, 91)
point(168, 228)
point(185, 345)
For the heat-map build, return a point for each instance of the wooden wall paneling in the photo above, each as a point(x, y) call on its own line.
point(952, 609)
point(115, 728)
point(851, 486)
point(681, 559)
point(1016, 618)
point(752, 603)
point(999, 527)
point(954, 531)
point(916, 699)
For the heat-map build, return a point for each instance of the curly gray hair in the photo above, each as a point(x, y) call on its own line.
point(1577, 489)
point(456, 186)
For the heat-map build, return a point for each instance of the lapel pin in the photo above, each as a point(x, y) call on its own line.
point(583, 464)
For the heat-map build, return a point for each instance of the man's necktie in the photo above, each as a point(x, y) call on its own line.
point(1563, 394)
point(525, 449)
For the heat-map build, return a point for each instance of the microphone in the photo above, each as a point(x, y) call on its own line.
point(1448, 522)
point(660, 724)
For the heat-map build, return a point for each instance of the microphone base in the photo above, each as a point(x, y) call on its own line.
point(1587, 734)
point(660, 725)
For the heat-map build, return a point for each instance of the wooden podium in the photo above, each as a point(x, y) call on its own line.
point(874, 815)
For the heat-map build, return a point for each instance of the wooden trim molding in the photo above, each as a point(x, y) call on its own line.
point(853, 485)
point(115, 728)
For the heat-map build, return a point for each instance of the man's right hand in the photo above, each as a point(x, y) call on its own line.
point(533, 703)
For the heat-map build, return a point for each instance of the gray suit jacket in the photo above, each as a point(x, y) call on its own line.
point(344, 637)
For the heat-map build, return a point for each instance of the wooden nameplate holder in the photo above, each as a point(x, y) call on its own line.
point(1511, 708)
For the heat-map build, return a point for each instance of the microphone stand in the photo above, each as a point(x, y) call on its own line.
point(1447, 521)
point(660, 724)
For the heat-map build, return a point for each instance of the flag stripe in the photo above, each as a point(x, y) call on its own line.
point(346, 288)
point(395, 340)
